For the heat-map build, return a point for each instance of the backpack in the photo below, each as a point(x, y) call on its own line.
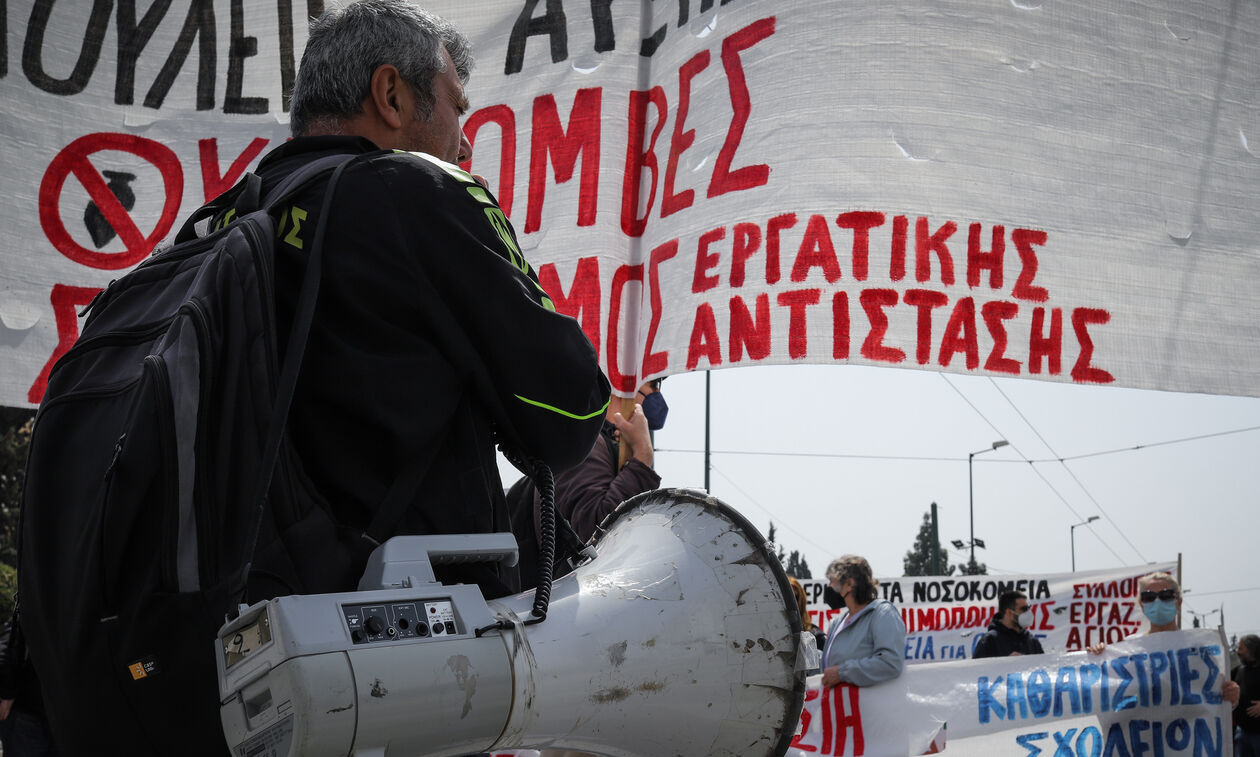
point(157, 449)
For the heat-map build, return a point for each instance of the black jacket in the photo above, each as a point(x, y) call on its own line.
point(1248, 679)
point(432, 341)
point(1000, 641)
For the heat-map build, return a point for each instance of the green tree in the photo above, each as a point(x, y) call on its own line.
point(794, 563)
point(15, 437)
point(973, 568)
point(922, 557)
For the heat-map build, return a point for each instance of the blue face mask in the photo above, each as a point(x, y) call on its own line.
point(655, 410)
point(1161, 612)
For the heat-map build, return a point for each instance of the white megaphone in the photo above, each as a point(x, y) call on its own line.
point(682, 637)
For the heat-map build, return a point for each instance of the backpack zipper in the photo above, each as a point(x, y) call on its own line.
point(206, 532)
point(168, 543)
point(143, 334)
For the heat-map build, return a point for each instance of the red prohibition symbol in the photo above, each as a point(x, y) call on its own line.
point(73, 159)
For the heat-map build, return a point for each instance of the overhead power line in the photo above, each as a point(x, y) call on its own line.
point(781, 524)
point(947, 459)
point(1079, 483)
point(1063, 500)
point(1149, 446)
point(1198, 594)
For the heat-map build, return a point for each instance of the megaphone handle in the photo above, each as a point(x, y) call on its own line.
point(627, 411)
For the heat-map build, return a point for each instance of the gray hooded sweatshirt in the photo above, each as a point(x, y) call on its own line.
point(871, 649)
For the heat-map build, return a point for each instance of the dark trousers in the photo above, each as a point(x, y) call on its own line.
point(1246, 744)
point(26, 735)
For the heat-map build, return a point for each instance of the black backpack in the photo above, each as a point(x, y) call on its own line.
point(156, 450)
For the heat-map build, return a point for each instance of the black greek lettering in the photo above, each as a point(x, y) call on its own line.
point(89, 53)
point(199, 23)
point(132, 38)
point(601, 17)
point(552, 23)
point(284, 15)
point(288, 69)
point(4, 38)
point(240, 47)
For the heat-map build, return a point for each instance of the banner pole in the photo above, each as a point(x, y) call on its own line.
point(706, 433)
point(623, 449)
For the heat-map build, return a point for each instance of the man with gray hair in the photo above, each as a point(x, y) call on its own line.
point(432, 338)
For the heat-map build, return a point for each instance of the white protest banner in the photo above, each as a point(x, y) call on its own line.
point(1061, 191)
point(1150, 695)
point(946, 615)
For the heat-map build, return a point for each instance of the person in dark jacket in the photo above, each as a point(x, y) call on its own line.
point(1008, 632)
point(432, 338)
point(587, 493)
point(1247, 710)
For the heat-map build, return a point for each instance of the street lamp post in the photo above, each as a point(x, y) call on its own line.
point(1200, 618)
point(971, 492)
point(1072, 532)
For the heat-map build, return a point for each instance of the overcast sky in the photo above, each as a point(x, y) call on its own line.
point(849, 458)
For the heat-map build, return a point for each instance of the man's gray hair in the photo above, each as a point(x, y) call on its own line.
point(347, 45)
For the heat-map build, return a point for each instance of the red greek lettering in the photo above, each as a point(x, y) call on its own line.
point(725, 180)
point(564, 147)
point(798, 334)
point(682, 139)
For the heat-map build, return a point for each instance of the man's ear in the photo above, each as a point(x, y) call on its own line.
point(387, 96)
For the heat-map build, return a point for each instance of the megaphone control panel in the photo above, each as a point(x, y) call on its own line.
point(368, 623)
point(393, 665)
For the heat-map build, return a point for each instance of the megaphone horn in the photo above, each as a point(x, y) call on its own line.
point(681, 637)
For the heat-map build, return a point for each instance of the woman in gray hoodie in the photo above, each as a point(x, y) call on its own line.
point(866, 645)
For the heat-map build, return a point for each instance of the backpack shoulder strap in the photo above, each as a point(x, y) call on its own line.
point(247, 195)
point(299, 331)
point(297, 180)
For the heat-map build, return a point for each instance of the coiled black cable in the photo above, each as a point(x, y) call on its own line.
point(540, 473)
point(546, 485)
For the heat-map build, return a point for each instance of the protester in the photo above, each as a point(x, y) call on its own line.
point(593, 489)
point(432, 338)
point(587, 493)
point(807, 623)
point(1247, 710)
point(1008, 632)
point(1160, 596)
point(866, 645)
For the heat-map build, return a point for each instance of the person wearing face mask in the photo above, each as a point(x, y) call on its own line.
point(1160, 597)
point(1161, 601)
point(1008, 632)
point(866, 645)
point(588, 492)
